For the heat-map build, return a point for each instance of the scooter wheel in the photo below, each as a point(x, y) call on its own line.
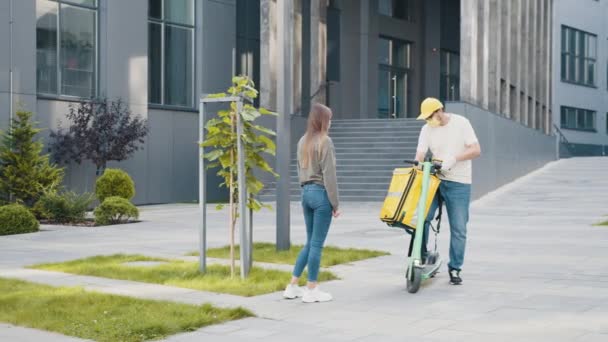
point(414, 279)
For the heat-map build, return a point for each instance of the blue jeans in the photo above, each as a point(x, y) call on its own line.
point(456, 197)
point(317, 215)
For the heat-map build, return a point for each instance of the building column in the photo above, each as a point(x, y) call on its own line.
point(364, 65)
point(468, 51)
point(306, 56)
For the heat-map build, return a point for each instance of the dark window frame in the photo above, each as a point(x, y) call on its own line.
point(163, 22)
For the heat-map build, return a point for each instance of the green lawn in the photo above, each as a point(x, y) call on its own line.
point(102, 317)
point(180, 273)
point(266, 252)
point(605, 223)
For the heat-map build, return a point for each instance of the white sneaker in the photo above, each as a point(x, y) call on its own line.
point(293, 291)
point(315, 295)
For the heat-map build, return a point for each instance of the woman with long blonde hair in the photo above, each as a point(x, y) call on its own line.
point(317, 176)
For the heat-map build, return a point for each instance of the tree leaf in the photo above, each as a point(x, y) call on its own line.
point(263, 129)
point(216, 96)
point(265, 111)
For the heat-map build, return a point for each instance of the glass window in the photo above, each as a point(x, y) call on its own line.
point(171, 52)
point(178, 53)
point(384, 51)
point(66, 58)
point(577, 118)
point(399, 9)
point(155, 62)
point(179, 11)
point(46, 47)
point(579, 54)
point(393, 86)
point(449, 87)
point(155, 9)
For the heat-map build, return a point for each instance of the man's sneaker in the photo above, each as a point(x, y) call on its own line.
point(293, 291)
point(455, 277)
point(315, 295)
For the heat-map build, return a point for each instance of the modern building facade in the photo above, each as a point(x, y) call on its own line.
point(367, 59)
point(580, 87)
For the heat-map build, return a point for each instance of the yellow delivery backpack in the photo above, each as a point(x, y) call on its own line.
point(401, 203)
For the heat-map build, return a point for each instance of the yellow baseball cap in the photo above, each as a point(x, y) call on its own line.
point(428, 107)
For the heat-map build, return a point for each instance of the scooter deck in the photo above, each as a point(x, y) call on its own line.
point(429, 271)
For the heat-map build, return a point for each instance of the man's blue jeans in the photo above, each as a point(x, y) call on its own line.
point(317, 215)
point(456, 197)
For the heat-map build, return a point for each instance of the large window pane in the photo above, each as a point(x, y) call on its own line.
point(78, 51)
point(155, 9)
point(384, 95)
point(571, 118)
point(385, 7)
point(384, 51)
point(590, 72)
point(590, 120)
point(401, 54)
point(46, 46)
point(564, 39)
point(154, 63)
point(580, 119)
point(178, 66)
point(180, 11)
point(401, 9)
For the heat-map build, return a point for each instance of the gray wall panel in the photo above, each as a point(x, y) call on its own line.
point(185, 159)
point(509, 149)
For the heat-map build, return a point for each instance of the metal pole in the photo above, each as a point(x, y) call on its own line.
point(242, 178)
point(283, 124)
point(251, 236)
point(10, 64)
point(202, 248)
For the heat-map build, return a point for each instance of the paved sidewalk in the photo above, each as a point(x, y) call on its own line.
point(536, 269)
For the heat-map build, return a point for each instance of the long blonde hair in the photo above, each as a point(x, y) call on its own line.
point(316, 131)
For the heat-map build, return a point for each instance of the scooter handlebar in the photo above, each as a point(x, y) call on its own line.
point(436, 164)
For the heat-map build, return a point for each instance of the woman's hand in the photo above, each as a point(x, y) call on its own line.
point(336, 213)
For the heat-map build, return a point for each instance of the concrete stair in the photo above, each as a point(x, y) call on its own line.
point(367, 151)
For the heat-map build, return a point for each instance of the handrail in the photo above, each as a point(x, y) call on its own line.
point(564, 140)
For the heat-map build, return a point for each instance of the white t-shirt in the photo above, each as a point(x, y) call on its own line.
point(450, 141)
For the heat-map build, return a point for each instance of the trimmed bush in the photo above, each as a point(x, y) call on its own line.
point(17, 219)
point(68, 207)
point(115, 210)
point(114, 182)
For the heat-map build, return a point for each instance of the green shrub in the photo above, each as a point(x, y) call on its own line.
point(68, 207)
point(114, 182)
point(115, 210)
point(25, 173)
point(17, 219)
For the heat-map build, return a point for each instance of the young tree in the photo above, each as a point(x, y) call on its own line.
point(100, 131)
point(25, 173)
point(221, 139)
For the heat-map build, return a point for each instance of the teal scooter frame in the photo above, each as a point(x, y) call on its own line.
point(417, 269)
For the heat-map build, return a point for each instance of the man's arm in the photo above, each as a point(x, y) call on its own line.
point(420, 156)
point(471, 152)
point(423, 145)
